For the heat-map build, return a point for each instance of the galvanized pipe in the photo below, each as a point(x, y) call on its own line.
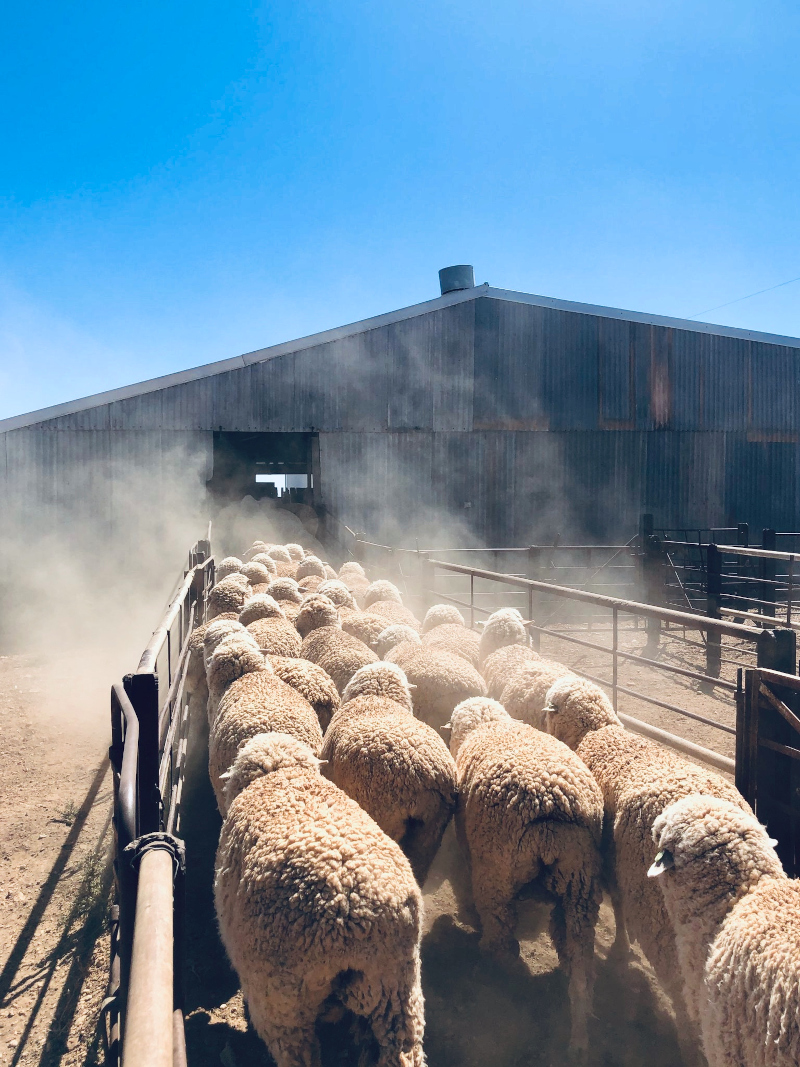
point(149, 1024)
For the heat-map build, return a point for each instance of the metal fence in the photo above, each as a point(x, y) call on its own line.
point(149, 731)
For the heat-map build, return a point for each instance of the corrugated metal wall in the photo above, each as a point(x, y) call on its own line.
point(516, 420)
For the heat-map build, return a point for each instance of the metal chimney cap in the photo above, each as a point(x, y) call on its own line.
point(461, 276)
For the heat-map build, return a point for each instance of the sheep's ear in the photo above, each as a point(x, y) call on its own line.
point(410, 686)
point(224, 777)
point(663, 862)
point(447, 726)
point(773, 842)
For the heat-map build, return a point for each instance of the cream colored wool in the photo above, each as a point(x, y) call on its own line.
point(228, 565)
point(439, 615)
point(297, 552)
point(330, 573)
point(217, 630)
point(286, 570)
point(503, 627)
point(442, 680)
point(397, 768)
point(310, 565)
point(291, 610)
point(266, 561)
point(364, 625)
point(228, 595)
point(525, 695)
point(638, 780)
point(529, 810)
point(313, 899)
point(276, 636)
point(393, 635)
point(280, 554)
point(737, 922)
point(455, 638)
point(316, 610)
point(499, 668)
point(310, 584)
point(338, 592)
point(394, 612)
point(285, 589)
point(350, 566)
point(256, 703)
point(311, 682)
point(381, 590)
point(256, 573)
point(338, 653)
point(260, 606)
point(195, 686)
point(235, 655)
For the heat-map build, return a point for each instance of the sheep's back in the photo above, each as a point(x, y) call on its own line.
point(524, 695)
point(311, 682)
point(276, 636)
point(451, 637)
point(441, 681)
point(500, 666)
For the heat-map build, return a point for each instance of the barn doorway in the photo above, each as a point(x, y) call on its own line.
point(279, 465)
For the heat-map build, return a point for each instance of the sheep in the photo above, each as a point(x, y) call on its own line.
point(381, 590)
point(499, 666)
point(337, 652)
point(503, 627)
point(530, 810)
point(525, 695)
point(316, 611)
point(260, 606)
point(393, 635)
point(440, 614)
point(736, 917)
point(314, 902)
point(195, 686)
point(336, 591)
point(266, 561)
point(256, 573)
point(394, 612)
point(285, 589)
point(256, 703)
point(280, 554)
point(638, 780)
point(297, 552)
point(441, 681)
point(228, 595)
point(351, 566)
point(397, 768)
point(235, 655)
point(226, 566)
point(276, 637)
point(364, 625)
point(217, 630)
point(311, 682)
point(310, 565)
point(286, 570)
point(309, 584)
point(455, 638)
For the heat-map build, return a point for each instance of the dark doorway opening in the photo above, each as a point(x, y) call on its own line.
point(264, 465)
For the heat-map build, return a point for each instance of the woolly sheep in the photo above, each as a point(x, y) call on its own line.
point(285, 589)
point(235, 655)
point(364, 625)
point(195, 686)
point(638, 780)
point(276, 637)
point(311, 682)
point(336, 652)
point(256, 703)
point(381, 590)
point(315, 611)
point(256, 573)
point(393, 635)
point(310, 565)
point(286, 570)
point(336, 591)
point(525, 695)
point(314, 900)
point(266, 561)
point(260, 606)
point(441, 681)
point(440, 614)
point(736, 917)
point(309, 584)
point(226, 566)
point(297, 552)
point(397, 768)
point(455, 638)
point(280, 554)
point(228, 595)
point(330, 573)
point(351, 566)
point(503, 627)
point(529, 810)
point(217, 630)
point(394, 612)
point(499, 666)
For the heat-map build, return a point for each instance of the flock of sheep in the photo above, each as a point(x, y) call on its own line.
point(329, 703)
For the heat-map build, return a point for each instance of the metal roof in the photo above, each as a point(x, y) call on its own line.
point(263, 354)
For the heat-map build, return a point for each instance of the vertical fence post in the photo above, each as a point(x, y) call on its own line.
point(472, 602)
point(747, 735)
point(653, 579)
point(713, 600)
point(743, 566)
point(777, 650)
point(142, 690)
point(534, 635)
point(768, 573)
point(614, 645)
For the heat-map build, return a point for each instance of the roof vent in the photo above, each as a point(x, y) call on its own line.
point(452, 279)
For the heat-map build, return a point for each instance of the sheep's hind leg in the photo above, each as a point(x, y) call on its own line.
point(422, 840)
point(493, 892)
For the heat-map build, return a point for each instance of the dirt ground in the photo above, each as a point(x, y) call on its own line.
point(55, 882)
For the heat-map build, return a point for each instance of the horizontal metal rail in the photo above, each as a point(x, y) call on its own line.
point(760, 553)
point(147, 662)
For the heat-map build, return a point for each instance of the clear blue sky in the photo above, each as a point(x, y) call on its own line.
point(183, 182)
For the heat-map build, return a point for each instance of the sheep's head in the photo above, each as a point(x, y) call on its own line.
point(256, 573)
point(315, 611)
point(266, 561)
point(228, 595)
point(351, 567)
point(704, 839)
point(217, 631)
point(229, 565)
point(264, 754)
point(440, 614)
point(469, 715)
point(260, 606)
point(337, 592)
point(310, 565)
point(379, 680)
point(381, 590)
point(297, 552)
point(280, 554)
point(575, 707)
point(235, 655)
point(394, 635)
point(285, 589)
point(503, 627)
